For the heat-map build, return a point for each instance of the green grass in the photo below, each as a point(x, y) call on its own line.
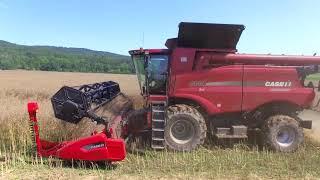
point(314, 77)
point(241, 161)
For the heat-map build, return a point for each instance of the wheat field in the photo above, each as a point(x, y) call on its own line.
point(240, 160)
point(19, 87)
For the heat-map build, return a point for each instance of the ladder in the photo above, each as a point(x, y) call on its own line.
point(158, 116)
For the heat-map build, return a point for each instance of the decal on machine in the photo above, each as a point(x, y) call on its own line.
point(278, 84)
point(216, 83)
point(183, 59)
point(94, 146)
point(197, 83)
point(240, 83)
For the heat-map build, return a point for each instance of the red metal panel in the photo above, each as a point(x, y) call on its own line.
point(267, 84)
point(182, 60)
point(107, 149)
point(97, 147)
point(217, 89)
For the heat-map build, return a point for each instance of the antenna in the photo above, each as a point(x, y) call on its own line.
point(142, 39)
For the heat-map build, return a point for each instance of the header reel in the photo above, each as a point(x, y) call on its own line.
point(71, 104)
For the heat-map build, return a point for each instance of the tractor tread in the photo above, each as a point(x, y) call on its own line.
point(271, 128)
point(182, 109)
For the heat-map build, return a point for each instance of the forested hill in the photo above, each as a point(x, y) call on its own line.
point(50, 58)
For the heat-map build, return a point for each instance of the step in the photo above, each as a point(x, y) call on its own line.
point(157, 108)
point(158, 124)
point(239, 130)
point(222, 130)
point(230, 136)
point(158, 111)
point(157, 147)
point(157, 120)
point(236, 131)
point(158, 116)
point(157, 139)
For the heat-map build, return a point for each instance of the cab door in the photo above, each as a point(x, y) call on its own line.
point(157, 72)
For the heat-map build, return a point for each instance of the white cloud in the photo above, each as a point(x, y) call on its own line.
point(3, 5)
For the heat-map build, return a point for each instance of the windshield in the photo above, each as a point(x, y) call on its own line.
point(157, 74)
point(138, 61)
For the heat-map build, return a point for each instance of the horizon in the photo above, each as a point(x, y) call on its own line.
point(285, 27)
point(61, 47)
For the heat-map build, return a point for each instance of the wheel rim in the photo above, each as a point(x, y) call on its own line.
point(182, 131)
point(285, 136)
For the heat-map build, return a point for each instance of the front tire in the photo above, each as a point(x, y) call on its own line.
point(185, 129)
point(282, 133)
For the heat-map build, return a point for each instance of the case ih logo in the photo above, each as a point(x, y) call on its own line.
point(93, 146)
point(277, 84)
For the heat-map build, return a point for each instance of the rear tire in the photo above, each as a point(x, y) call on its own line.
point(185, 129)
point(282, 133)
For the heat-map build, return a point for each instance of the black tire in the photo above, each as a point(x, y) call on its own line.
point(182, 119)
point(282, 133)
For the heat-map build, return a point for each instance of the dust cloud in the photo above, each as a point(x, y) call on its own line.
point(314, 133)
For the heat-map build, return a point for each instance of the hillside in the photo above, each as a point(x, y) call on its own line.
point(51, 58)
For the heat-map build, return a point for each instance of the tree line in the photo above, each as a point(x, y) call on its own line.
point(50, 58)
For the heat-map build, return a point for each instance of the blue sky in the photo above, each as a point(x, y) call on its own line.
point(272, 26)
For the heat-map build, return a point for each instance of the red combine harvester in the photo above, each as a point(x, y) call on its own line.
point(199, 86)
